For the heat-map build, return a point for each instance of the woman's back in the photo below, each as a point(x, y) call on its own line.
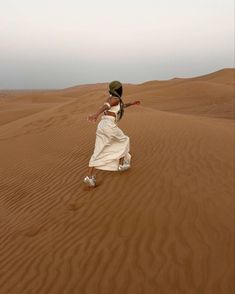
point(115, 108)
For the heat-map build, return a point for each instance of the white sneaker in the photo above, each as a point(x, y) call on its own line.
point(91, 182)
point(123, 167)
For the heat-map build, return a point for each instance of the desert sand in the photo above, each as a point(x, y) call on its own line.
point(166, 226)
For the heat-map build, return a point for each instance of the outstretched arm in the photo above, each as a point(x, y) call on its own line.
point(131, 104)
point(107, 105)
point(93, 117)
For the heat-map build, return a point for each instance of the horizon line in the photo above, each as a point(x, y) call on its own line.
point(105, 82)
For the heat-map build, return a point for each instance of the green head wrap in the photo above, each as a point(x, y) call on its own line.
point(113, 86)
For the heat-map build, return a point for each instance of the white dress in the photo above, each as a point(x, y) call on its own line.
point(111, 144)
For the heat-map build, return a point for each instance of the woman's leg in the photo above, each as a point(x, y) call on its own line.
point(121, 160)
point(90, 171)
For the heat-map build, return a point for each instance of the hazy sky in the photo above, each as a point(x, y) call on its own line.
point(61, 43)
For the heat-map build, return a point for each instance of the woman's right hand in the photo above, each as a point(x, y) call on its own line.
point(137, 102)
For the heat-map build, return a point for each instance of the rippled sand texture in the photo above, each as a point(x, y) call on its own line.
point(164, 227)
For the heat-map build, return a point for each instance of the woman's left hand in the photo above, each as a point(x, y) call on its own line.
point(92, 117)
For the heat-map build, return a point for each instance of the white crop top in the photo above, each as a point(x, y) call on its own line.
point(115, 108)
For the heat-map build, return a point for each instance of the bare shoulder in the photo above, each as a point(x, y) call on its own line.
point(113, 101)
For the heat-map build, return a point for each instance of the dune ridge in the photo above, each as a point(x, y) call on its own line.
point(164, 226)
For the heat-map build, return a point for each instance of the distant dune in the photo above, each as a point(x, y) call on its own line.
point(166, 226)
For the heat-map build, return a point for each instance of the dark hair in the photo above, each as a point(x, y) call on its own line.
point(118, 93)
point(121, 111)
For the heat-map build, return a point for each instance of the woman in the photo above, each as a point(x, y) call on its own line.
point(112, 145)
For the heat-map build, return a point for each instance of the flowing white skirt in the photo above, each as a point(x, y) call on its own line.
point(111, 144)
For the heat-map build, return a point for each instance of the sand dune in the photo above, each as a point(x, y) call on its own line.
point(165, 226)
